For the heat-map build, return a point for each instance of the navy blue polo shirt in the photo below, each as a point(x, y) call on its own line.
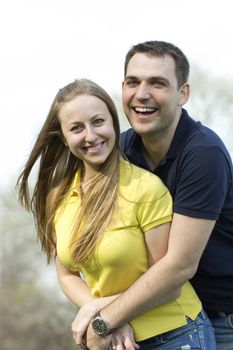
point(198, 172)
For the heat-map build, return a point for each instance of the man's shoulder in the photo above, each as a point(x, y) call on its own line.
point(197, 135)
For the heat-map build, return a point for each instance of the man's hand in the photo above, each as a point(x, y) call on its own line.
point(95, 342)
point(84, 316)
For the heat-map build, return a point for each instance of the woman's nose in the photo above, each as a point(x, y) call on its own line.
point(90, 134)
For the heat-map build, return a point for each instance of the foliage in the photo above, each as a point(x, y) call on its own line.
point(211, 101)
point(33, 315)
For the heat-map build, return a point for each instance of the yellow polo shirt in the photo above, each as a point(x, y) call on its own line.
point(143, 202)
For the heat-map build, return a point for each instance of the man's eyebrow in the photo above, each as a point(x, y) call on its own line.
point(158, 79)
point(150, 79)
point(131, 77)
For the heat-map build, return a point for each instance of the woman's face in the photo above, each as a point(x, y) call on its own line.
point(88, 130)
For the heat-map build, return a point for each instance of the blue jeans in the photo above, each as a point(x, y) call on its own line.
point(223, 328)
point(197, 334)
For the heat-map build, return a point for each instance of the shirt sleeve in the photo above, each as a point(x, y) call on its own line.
point(203, 182)
point(154, 206)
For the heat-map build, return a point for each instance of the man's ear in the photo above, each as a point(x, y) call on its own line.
point(184, 94)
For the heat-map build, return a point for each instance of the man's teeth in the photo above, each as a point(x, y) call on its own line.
point(145, 109)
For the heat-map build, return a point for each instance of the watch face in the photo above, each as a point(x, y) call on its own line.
point(99, 326)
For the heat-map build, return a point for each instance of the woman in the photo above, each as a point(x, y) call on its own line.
point(102, 218)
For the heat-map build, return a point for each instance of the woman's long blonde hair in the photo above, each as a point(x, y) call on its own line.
point(57, 169)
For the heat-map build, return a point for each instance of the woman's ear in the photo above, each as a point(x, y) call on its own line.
point(184, 92)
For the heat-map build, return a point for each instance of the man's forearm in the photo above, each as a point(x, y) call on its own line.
point(187, 240)
point(146, 293)
point(159, 285)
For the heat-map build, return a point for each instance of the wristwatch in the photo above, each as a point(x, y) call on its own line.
point(100, 327)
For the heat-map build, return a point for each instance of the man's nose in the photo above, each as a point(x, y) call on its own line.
point(143, 92)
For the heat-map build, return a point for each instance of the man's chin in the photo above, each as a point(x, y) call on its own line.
point(144, 130)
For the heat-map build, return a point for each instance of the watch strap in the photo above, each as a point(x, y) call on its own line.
point(109, 329)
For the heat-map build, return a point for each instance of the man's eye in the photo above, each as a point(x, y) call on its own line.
point(131, 83)
point(159, 83)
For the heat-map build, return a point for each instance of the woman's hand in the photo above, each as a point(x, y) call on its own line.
point(123, 339)
point(84, 317)
point(82, 320)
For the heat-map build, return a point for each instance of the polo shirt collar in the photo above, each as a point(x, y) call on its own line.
point(183, 130)
point(75, 187)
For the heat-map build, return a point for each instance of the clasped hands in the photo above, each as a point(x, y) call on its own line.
point(121, 339)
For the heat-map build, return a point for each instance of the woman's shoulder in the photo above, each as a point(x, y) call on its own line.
point(139, 182)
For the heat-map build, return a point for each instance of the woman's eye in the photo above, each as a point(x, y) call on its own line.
point(77, 128)
point(98, 121)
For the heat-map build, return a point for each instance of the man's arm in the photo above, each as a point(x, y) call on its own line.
point(187, 240)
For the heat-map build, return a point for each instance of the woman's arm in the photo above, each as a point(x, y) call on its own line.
point(75, 288)
point(157, 242)
point(72, 285)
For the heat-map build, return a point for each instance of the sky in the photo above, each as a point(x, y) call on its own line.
point(46, 44)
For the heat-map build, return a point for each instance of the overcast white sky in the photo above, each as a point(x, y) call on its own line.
point(45, 44)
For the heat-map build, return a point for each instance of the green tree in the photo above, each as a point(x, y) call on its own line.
point(33, 316)
point(211, 101)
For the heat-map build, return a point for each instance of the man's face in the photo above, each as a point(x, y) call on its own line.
point(151, 98)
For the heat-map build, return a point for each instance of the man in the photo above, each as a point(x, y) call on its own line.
point(196, 167)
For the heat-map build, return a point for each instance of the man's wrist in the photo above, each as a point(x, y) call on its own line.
point(100, 326)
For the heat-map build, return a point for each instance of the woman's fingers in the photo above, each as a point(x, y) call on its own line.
point(123, 339)
point(116, 344)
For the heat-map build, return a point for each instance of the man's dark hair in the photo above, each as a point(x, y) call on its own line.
point(160, 49)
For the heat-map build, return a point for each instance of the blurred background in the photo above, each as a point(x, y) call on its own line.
point(46, 44)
